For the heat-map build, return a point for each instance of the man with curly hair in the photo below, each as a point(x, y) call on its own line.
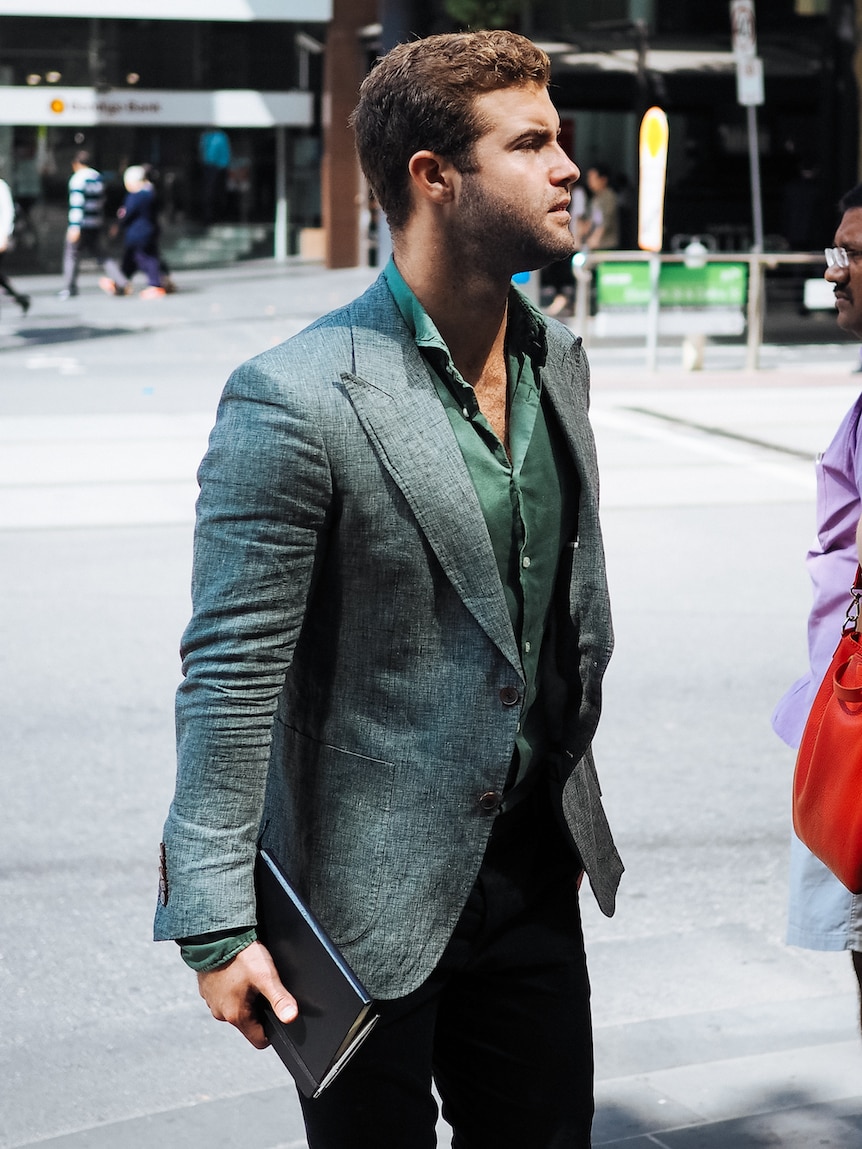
point(393, 669)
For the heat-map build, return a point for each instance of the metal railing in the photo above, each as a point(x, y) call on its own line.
point(758, 264)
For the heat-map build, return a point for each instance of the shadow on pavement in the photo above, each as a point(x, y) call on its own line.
point(789, 1118)
point(39, 336)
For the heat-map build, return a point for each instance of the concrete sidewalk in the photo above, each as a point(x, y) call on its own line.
point(714, 1035)
point(710, 1032)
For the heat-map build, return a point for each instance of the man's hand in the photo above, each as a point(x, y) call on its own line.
point(73, 233)
point(232, 991)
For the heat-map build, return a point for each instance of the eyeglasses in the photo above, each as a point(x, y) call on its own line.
point(841, 256)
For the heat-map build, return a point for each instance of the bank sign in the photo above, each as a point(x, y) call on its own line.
point(84, 107)
point(714, 285)
point(236, 10)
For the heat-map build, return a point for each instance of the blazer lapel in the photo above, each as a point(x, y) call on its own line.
point(398, 406)
point(571, 409)
point(567, 381)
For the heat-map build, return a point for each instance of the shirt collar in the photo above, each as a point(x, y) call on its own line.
point(526, 334)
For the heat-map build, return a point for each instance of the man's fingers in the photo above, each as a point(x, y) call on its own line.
point(251, 1028)
point(233, 991)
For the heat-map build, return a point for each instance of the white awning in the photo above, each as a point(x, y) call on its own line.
point(657, 60)
point(309, 11)
point(779, 62)
point(83, 107)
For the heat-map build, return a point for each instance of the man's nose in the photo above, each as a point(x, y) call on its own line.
point(571, 172)
point(836, 274)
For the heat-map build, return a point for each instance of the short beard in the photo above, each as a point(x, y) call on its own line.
point(494, 239)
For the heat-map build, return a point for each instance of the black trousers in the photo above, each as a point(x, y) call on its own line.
point(502, 1025)
point(6, 283)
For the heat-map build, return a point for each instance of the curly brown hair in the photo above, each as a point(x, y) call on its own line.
point(422, 96)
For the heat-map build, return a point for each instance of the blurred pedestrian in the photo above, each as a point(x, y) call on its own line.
point(559, 274)
point(800, 208)
point(85, 221)
point(152, 174)
point(7, 222)
point(215, 153)
point(26, 191)
point(139, 223)
point(824, 915)
point(600, 225)
point(400, 627)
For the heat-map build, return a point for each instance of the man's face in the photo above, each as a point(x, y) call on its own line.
point(847, 281)
point(512, 207)
point(595, 182)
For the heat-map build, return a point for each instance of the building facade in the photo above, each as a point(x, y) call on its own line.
point(612, 59)
point(143, 90)
point(281, 76)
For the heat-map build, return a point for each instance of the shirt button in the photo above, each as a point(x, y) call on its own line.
point(509, 696)
point(525, 561)
point(490, 801)
point(528, 646)
point(465, 412)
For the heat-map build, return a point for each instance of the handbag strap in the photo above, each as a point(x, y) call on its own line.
point(846, 693)
point(851, 619)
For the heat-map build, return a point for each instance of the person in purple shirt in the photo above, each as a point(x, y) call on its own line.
point(824, 915)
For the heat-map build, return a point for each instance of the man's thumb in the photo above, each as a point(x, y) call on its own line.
point(283, 1004)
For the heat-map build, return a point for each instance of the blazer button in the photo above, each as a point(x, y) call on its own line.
point(490, 801)
point(509, 696)
point(163, 875)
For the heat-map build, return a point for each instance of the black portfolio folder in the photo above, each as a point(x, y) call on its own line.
point(335, 1012)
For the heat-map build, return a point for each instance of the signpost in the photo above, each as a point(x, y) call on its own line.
point(653, 170)
point(749, 93)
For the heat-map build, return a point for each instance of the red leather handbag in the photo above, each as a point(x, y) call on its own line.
point(827, 781)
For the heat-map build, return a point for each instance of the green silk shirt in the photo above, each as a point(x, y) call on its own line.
point(527, 496)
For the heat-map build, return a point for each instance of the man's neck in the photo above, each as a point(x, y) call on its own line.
point(469, 310)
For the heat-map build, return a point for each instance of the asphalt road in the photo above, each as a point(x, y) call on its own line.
point(709, 1030)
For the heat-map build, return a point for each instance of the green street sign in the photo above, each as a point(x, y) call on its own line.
point(714, 285)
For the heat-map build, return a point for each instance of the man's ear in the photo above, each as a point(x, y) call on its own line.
point(432, 176)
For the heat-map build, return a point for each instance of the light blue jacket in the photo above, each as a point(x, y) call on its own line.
point(350, 659)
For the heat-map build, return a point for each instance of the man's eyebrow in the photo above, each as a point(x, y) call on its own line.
point(535, 131)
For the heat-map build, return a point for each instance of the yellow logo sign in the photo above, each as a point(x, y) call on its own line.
point(57, 106)
point(655, 133)
point(653, 168)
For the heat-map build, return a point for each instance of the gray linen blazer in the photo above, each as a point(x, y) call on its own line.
point(350, 656)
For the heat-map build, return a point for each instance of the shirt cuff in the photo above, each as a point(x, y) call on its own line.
point(211, 951)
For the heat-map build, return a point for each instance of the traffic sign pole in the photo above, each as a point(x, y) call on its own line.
point(756, 192)
point(749, 93)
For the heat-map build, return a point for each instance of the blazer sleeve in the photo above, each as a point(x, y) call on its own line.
point(265, 493)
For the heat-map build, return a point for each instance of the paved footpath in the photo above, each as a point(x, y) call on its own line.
point(710, 1032)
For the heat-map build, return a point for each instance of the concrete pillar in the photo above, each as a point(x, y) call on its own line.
point(341, 185)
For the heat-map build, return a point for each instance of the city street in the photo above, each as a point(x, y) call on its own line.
point(710, 1031)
